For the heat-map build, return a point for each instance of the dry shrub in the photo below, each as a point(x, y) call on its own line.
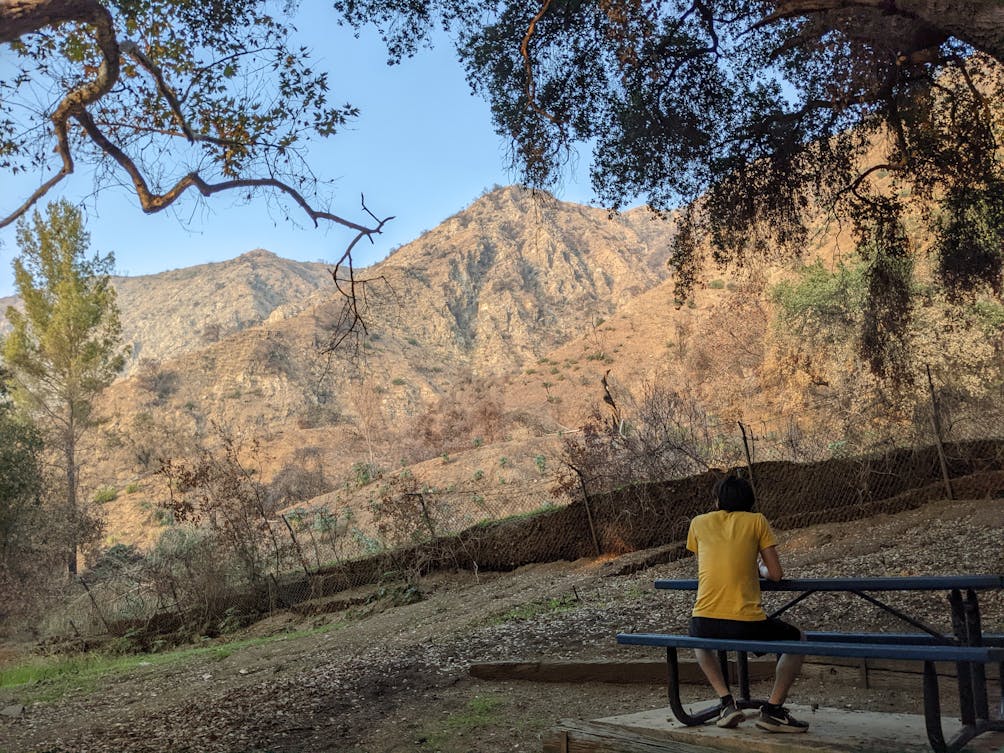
point(658, 435)
point(222, 490)
point(473, 412)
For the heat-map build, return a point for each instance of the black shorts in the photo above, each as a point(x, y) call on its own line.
point(770, 629)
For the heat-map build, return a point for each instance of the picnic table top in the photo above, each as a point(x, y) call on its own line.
point(899, 583)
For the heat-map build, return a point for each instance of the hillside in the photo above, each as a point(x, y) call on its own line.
point(368, 673)
point(494, 287)
point(487, 339)
point(172, 313)
point(169, 314)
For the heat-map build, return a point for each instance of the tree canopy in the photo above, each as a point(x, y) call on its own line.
point(755, 115)
point(20, 481)
point(166, 96)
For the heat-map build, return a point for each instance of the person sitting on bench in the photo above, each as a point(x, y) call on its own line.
point(727, 542)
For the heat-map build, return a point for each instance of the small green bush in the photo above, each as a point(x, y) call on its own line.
point(105, 494)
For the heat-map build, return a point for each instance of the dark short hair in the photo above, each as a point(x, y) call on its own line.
point(735, 494)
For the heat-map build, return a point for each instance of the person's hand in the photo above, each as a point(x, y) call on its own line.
point(764, 573)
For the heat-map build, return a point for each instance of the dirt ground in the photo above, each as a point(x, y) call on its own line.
point(386, 678)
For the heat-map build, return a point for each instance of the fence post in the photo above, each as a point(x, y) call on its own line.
point(425, 516)
point(936, 425)
point(95, 604)
point(589, 512)
point(749, 456)
point(299, 551)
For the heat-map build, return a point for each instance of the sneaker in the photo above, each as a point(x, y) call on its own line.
point(778, 719)
point(729, 716)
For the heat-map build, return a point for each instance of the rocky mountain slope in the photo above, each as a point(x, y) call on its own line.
point(171, 313)
point(449, 318)
point(486, 339)
point(168, 314)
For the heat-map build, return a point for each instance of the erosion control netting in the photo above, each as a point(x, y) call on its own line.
point(192, 583)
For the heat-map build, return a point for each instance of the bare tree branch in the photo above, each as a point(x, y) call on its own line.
point(351, 318)
point(524, 48)
point(77, 99)
point(19, 17)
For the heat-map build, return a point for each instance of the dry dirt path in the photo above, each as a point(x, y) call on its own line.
point(389, 679)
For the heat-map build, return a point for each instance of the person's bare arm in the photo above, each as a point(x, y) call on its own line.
point(771, 565)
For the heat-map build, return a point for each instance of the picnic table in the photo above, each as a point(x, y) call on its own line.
point(966, 645)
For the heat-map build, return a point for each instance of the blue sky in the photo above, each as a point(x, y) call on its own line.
point(422, 149)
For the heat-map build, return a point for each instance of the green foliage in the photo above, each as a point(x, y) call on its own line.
point(760, 116)
point(20, 487)
point(51, 677)
point(163, 517)
point(481, 710)
point(105, 494)
point(365, 473)
point(366, 543)
point(65, 346)
point(970, 243)
point(219, 488)
point(249, 97)
point(716, 284)
point(889, 303)
point(989, 316)
point(541, 462)
point(113, 561)
point(536, 609)
point(820, 303)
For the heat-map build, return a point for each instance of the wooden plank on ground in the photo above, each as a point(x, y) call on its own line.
point(649, 672)
point(832, 731)
point(574, 736)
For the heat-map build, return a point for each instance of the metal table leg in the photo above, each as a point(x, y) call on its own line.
point(967, 709)
point(673, 670)
point(974, 634)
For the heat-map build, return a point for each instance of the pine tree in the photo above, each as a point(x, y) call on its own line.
point(66, 344)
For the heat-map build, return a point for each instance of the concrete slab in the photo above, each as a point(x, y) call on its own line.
point(835, 730)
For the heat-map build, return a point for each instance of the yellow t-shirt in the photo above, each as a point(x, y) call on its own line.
point(726, 545)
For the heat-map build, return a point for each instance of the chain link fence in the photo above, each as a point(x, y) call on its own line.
point(598, 497)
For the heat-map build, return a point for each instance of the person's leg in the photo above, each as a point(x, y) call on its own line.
point(708, 662)
point(785, 675)
point(704, 627)
point(773, 716)
point(729, 714)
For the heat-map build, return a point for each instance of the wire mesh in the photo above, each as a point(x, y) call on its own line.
point(604, 501)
